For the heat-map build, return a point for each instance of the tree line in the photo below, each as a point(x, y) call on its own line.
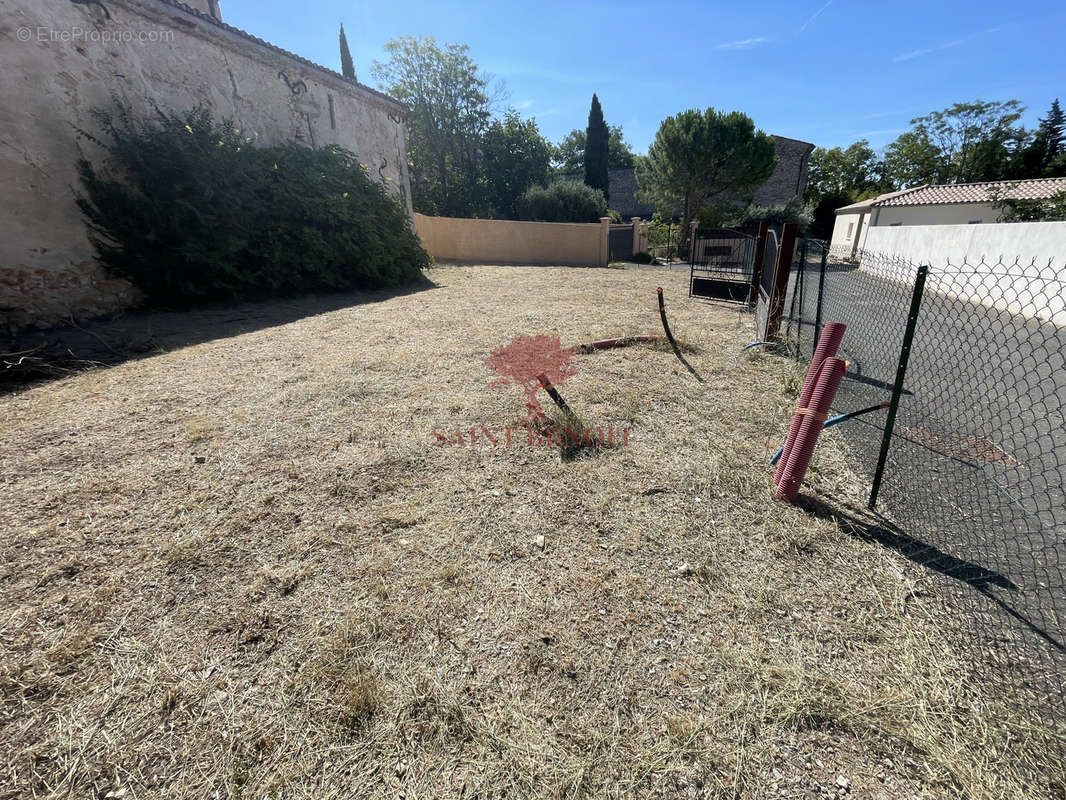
point(964, 143)
point(472, 156)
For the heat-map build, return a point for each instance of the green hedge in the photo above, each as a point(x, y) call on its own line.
point(190, 210)
point(563, 201)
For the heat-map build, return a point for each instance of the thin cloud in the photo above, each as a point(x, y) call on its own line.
point(521, 105)
point(915, 54)
point(743, 44)
point(537, 72)
point(815, 15)
point(879, 132)
point(924, 51)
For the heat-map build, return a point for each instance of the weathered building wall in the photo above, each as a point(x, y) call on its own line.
point(789, 177)
point(59, 60)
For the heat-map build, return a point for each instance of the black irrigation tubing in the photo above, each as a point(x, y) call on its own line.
point(670, 337)
point(553, 393)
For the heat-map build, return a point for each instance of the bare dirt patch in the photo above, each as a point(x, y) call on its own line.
point(250, 568)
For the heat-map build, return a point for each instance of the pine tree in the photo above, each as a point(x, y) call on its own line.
point(596, 139)
point(347, 66)
point(1054, 127)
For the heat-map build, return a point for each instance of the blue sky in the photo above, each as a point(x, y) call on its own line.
point(825, 72)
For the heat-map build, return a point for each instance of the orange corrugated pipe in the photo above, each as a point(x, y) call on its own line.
point(810, 417)
point(828, 343)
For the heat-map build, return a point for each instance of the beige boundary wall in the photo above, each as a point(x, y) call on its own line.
point(497, 241)
point(1018, 267)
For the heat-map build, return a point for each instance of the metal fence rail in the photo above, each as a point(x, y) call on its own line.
point(974, 467)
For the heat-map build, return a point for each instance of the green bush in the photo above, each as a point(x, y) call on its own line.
point(563, 201)
point(188, 210)
point(643, 257)
point(723, 216)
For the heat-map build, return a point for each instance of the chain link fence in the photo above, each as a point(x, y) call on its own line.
point(972, 471)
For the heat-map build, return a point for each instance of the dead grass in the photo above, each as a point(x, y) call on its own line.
point(249, 568)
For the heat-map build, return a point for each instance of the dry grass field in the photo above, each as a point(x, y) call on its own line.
point(248, 568)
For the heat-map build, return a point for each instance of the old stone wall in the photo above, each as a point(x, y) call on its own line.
point(789, 178)
point(60, 59)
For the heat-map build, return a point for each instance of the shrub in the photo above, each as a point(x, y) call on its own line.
point(643, 257)
point(1050, 209)
point(724, 216)
point(563, 201)
point(616, 218)
point(187, 210)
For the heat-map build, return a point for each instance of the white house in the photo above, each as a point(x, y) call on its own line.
point(935, 204)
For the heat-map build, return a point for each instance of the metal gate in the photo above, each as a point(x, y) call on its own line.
point(766, 282)
point(721, 264)
point(620, 243)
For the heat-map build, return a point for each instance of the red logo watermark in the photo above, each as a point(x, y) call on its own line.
point(532, 363)
point(525, 359)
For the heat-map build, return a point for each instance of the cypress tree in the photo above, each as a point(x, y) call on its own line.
point(347, 65)
point(1055, 130)
point(596, 138)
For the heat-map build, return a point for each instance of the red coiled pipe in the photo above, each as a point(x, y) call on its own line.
point(828, 343)
point(810, 417)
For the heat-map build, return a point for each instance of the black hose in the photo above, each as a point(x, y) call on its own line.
point(670, 337)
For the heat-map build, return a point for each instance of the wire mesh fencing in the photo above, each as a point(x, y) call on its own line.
point(972, 471)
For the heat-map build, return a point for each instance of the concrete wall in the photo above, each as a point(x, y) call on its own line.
point(494, 241)
point(59, 60)
point(1018, 267)
point(845, 229)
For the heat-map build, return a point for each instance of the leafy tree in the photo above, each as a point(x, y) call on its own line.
point(569, 154)
point(913, 159)
point(347, 65)
point(516, 157)
point(449, 115)
point(1052, 209)
point(562, 201)
point(732, 216)
point(701, 156)
point(824, 214)
point(596, 138)
point(1045, 155)
point(965, 132)
point(854, 169)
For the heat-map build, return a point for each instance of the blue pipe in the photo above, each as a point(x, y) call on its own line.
point(829, 423)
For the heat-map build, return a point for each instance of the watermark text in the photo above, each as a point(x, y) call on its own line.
point(76, 34)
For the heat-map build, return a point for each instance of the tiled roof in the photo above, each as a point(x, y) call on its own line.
point(946, 193)
point(1035, 189)
point(280, 50)
point(862, 205)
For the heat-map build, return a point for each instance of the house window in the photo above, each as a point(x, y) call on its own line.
point(851, 227)
point(332, 114)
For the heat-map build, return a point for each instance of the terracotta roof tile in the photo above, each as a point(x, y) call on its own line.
point(1035, 189)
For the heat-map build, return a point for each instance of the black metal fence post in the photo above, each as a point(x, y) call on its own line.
point(897, 387)
point(821, 293)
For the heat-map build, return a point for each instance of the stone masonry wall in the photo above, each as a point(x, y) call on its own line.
point(789, 178)
point(60, 59)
